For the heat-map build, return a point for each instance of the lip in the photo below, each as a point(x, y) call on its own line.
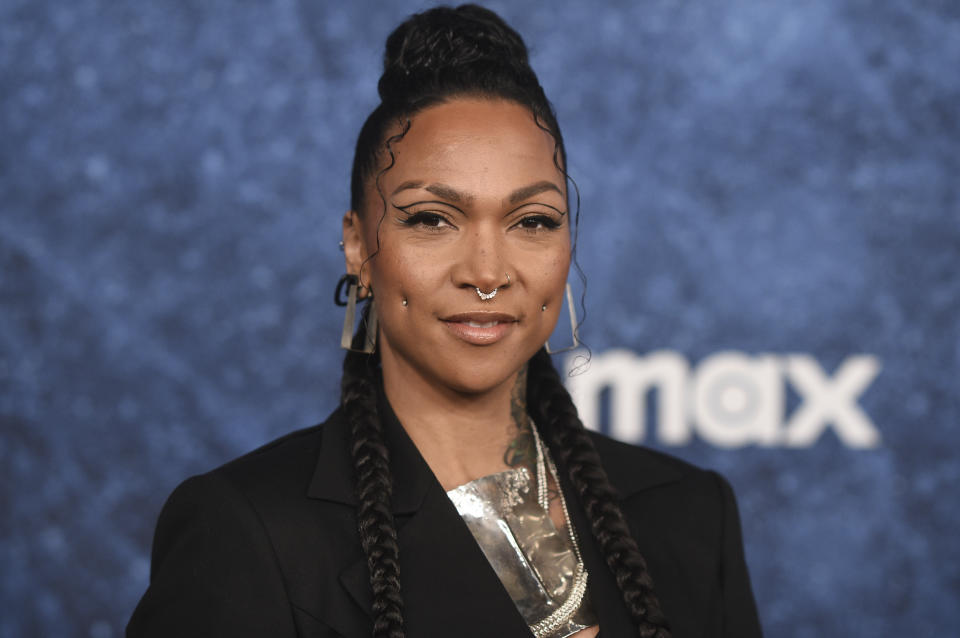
point(480, 328)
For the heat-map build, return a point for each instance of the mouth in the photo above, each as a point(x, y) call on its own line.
point(480, 328)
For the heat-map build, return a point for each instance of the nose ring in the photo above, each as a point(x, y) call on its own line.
point(486, 296)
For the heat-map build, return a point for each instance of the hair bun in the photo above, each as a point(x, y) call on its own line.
point(434, 47)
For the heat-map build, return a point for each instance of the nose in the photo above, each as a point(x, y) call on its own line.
point(481, 260)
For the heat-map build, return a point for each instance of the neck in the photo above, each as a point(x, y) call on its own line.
point(464, 436)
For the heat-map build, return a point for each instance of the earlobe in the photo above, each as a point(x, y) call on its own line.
point(354, 249)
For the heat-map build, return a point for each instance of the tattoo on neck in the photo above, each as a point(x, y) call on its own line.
point(521, 449)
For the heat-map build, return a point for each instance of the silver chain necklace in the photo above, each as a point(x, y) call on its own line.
point(564, 612)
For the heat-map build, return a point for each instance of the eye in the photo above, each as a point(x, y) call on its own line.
point(427, 219)
point(539, 222)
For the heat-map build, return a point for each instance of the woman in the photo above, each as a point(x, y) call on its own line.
point(455, 491)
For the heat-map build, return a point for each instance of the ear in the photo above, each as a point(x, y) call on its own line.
point(355, 250)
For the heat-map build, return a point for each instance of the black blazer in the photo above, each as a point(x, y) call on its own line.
point(267, 546)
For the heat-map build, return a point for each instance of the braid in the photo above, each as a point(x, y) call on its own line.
point(374, 487)
point(552, 407)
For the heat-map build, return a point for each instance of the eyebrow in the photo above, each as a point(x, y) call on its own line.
point(533, 189)
point(440, 190)
point(452, 194)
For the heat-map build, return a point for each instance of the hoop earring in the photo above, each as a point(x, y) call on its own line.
point(346, 336)
point(574, 326)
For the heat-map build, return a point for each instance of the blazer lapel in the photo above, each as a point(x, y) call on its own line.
point(448, 586)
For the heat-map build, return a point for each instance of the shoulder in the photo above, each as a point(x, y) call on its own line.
point(236, 488)
point(686, 522)
point(682, 495)
point(227, 544)
point(617, 452)
point(271, 481)
point(289, 459)
point(633, 468)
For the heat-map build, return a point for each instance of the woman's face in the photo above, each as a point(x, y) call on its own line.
point(473, 198)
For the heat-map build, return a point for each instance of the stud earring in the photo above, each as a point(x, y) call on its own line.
point(574, 328)
point(352, 282)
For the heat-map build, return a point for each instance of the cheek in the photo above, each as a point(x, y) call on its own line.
point(399, 275)
point(550, 291)
point(557, 270)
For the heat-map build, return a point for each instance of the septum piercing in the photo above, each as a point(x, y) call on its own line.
point(486, 296)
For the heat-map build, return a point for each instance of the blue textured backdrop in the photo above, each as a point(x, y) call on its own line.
point(757, 176)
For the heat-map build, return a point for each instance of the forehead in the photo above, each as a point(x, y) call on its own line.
point(478, 144)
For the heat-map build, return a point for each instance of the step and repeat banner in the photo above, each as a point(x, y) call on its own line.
point(769, 229)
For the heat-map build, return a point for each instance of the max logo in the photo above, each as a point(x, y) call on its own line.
point(730, 400)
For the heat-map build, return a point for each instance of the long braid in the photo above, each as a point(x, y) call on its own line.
point(374, 488)
point(554, 411)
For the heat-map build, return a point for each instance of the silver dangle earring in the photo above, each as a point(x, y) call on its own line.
point(574, 327)
point(346, 337)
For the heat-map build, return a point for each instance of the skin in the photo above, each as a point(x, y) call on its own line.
point(473, 197)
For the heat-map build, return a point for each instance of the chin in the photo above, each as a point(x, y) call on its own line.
point(479, 383)
point(462, 368)
point(484, 370)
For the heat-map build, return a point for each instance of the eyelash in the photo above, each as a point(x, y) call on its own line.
point(423, 217)
point(546, 221)
point(434, 220)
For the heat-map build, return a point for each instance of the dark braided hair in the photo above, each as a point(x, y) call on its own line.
point(552, 408)
point(374, 485)
point(430, 58)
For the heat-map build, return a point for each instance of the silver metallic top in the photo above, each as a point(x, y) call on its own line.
point(538, 565)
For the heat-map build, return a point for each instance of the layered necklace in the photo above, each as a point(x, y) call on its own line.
point(542, 570)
